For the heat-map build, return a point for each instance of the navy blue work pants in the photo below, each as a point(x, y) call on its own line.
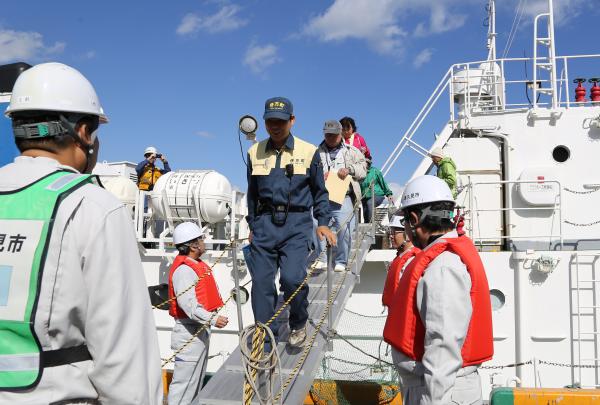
point(285, 248)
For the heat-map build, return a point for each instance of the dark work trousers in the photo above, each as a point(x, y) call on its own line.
point(367, 204)
point(285, 248)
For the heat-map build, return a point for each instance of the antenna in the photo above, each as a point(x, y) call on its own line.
point(491, 37)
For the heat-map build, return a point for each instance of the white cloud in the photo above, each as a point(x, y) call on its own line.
point(422, 57)
point(204, 134)
point(564, 10)
point(260, 57)
point(226, 19)
point(90, 54)
point(385, 24)
point(372, 21)
point(440, 21)
point(25, 46)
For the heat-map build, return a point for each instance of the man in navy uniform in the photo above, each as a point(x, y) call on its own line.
point(285, 180)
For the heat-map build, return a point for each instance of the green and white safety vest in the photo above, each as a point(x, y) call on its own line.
point(26, 220)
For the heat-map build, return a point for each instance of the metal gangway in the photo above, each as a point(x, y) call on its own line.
point(328, 293)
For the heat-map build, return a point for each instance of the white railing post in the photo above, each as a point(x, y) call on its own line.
point(330, 331)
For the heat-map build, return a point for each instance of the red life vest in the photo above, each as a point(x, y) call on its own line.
point(404, 329)
point(394, 273)
point(207, 292)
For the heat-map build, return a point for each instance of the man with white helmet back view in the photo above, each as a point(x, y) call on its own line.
point(192, 308)
point(439, 321)
point(75, 318)
point(147, 172)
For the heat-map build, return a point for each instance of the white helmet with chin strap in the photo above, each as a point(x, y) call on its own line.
point(425, 190)
point(49, 100)
point(186, 232)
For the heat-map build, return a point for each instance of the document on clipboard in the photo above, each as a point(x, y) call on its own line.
point(337, 187)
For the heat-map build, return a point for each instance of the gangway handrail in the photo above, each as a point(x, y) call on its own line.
point(416, 122)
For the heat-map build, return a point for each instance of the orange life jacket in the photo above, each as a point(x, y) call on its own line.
point(207, 292)
point(149, 177)
point(404, 329)
point(394, 273)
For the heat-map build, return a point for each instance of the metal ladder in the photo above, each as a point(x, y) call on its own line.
point(587, 319)
point(549, 58)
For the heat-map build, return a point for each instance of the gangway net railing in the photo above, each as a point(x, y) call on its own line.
point(491, 87)
point(506, 215)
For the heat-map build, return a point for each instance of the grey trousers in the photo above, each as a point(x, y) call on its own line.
point(466, 391)
point(190, 364)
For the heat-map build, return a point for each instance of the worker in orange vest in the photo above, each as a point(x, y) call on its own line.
point(405, 252)
point(192, 308)
point(440, 319)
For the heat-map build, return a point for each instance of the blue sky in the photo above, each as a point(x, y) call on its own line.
point(179, 74)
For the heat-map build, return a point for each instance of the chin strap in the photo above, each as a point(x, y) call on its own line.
point(87, 148)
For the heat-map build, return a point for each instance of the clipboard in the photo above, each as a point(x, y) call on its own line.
point(337, 187)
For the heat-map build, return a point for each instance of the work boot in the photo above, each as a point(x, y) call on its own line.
point(297, 337)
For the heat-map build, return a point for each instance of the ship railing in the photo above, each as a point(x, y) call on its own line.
point(492, 87)
point(505, 214)
point(487, 86)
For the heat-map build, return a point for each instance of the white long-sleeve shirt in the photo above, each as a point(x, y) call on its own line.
point(183, 277)
point(444, 305)
point(93, 292)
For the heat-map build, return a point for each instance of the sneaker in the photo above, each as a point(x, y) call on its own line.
point(340, 267)
point(320, 265)
point(297, 337)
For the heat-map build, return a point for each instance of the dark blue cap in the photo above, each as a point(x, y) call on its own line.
point(279, 108)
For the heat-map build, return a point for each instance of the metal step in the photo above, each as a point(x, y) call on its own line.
point(226, 386)
point(543, 41)
point(545, 91)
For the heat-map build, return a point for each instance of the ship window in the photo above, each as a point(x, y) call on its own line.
point(244, 295)
point(498, 299)
point(561, 153)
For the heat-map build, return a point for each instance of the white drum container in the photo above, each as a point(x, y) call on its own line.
point(194, 195)
point(122, 188)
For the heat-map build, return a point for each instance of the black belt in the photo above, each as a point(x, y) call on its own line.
point(68, 355)
point(280, 208)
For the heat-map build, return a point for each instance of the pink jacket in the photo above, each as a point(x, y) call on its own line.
point(358, 141)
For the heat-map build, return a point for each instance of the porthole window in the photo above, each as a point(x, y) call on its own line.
point(561, 154)
point(244, 295)
point(498, 299)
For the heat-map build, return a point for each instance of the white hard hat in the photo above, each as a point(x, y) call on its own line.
point(423, 190)
point(186, 232)
point(54, 87)
point(150, 149)
point(396, 222)
point(437, 152)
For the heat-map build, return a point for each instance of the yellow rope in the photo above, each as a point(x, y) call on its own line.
point(258, 340)
point(318, 326)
